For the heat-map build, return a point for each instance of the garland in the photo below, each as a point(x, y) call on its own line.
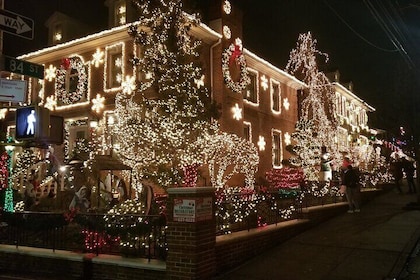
point(234, 53)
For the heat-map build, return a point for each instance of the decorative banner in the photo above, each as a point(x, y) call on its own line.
point(286, 178)
point(193, 210)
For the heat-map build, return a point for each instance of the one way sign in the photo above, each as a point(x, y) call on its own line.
point(16, 24)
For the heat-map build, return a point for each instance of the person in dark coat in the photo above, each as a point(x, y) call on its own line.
point(397, 172)
point(351, 181)
point(409, 173)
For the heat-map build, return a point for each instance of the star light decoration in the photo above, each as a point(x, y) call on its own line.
point(50, 73)
point(98, 58)
point(261, 143)
point(264, 82)
point(98, 103)
point(237, 112)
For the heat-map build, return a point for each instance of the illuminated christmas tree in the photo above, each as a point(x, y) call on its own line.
point(163, 113)
point(24, 162)
point(318, 102)
point(318, 122)
point(307, 150)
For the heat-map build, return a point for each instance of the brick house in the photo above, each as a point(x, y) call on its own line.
point(83, 73)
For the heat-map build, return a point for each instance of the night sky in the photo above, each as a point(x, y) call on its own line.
point(373, 43)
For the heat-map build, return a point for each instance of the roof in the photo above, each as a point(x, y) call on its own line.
point(104, 162)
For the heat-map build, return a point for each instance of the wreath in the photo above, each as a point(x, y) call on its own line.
point(63, 94)
point(234, 53)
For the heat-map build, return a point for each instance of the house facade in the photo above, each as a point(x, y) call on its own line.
point(258, 101)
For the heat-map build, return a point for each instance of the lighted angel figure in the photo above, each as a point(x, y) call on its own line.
point(80, 200)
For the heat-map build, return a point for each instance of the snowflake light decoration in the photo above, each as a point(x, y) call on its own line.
point(227, 7)
point(98, 58)
point(264, 82)
point(226, 32)
point(98, 103)
point(129, 85)
point(237, 112)
point(50, 73)
point(286, 104)
point(287, 139)
point(261, 143)
point(51, 103)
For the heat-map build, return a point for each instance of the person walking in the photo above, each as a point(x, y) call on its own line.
point(351, 181)
point(397, 172)
point(409, 173)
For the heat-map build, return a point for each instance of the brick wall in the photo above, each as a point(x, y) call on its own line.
point(194, 251)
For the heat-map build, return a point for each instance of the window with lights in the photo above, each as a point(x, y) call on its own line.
point(247, 131)
point(114, 65)
point(251, 91)
point(277, 152)
point(275, 97)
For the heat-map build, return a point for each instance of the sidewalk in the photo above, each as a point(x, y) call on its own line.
point(374, 244)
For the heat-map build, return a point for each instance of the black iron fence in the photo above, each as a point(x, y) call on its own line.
point(128, 234)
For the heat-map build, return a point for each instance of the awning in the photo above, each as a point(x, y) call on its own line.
point(105, 162)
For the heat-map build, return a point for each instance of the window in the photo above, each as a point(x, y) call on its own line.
point(57, 34)
point(275, 97)
point(78, 134)
point(277, 152)
point(247, 131)
point(342, 139)
point(338, 104)
point(251, 91)
point(114, 66)
point(120, 13)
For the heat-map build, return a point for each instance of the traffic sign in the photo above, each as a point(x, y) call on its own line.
point(22, 67)
point(16, 24)
point(12, 90)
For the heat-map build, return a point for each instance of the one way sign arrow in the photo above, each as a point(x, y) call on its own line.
point(16, 24)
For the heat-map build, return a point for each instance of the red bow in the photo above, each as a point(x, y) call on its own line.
point(65, 63)
point(235, 54)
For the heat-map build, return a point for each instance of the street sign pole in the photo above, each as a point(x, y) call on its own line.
point(1, 32)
